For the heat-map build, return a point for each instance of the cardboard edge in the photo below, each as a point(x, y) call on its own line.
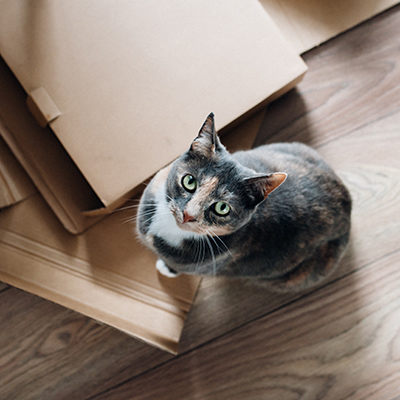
point(39, 181)
point(258, 107)
point(15, 185)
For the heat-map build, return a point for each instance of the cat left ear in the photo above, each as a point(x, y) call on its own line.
point(262, 186)
point(207, 141)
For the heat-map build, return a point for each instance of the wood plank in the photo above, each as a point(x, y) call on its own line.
point(352, 80)
point(341, 342)
point(3, 286)
point(49, 352)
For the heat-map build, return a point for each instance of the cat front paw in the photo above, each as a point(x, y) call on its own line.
point(163, 269)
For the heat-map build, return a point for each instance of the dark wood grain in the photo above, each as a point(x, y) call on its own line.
point(49, 352)
point(340, 341)
point(3, 286)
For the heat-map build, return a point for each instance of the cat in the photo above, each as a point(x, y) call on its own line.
point(215, 213)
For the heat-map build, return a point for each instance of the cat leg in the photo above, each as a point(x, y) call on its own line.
point(163, 269)
point(314, 269)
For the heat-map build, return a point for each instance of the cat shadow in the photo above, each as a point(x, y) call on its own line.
point(224, 304)
point(285, 120)
point(317, 338)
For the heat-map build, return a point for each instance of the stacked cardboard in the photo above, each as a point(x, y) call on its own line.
point(308, 23)
point(124, 87)
point(115, 92)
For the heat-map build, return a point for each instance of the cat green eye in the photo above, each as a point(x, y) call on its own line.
point(189, 183)
point(221, 208)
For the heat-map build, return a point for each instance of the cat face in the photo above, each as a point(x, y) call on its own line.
point(209, 193)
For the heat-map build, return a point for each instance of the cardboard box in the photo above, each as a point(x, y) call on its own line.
point(308, 23)
point(125, 86)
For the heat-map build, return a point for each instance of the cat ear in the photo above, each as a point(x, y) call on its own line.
point(207, 141)
point(259, 187)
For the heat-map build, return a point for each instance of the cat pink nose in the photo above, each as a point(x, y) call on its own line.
point(187, 217)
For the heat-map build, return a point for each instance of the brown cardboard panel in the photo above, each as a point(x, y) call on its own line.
point(43, 157)
point(133, 81)
point(15, 184)
point(308, 23)
point(104, 273)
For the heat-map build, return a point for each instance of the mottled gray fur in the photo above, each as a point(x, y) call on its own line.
point(291, 233)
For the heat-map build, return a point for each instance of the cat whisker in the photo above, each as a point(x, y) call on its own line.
point(228, 251)
point(161, 215)
point(200, 253)
point(169, 197)
point(132, 207)
point(135, 217)
point(197, 254)
point(212, 254)
point(148, 216)
point(203, 250)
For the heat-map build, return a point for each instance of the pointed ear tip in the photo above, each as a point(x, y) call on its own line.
point(284, 175)
point(210, 117)
point(279, 177)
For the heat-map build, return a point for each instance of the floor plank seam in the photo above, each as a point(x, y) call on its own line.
point(361, 268)
point(351, 131)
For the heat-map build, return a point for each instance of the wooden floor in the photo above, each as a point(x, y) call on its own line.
point(339, 341)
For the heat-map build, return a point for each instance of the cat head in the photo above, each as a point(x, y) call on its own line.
point(209, 192)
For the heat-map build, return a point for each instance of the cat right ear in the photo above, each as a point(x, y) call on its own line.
point(259, 187)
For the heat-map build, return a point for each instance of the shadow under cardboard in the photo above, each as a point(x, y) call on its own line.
point(281, 115)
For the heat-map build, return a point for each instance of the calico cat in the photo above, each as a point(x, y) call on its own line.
point(215, 213)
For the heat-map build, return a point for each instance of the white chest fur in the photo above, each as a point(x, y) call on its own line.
point(164, 225)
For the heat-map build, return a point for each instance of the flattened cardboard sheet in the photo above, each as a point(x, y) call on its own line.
point(104, 273)
point(126, 85)
point(42, 155)
point(308, 23)
point(15, 184)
